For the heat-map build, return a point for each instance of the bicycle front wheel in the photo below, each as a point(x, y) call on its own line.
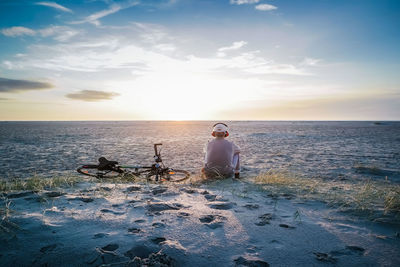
point(93, 171)
point(173, 175)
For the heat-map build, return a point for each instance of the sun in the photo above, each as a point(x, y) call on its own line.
point(178, 96)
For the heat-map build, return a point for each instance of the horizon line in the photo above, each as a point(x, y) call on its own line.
point(384, 120)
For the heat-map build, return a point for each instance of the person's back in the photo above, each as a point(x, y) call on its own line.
point(222, 156)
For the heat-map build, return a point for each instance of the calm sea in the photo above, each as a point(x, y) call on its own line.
point(312, 149)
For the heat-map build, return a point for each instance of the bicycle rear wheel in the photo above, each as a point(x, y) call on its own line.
point(92, 170)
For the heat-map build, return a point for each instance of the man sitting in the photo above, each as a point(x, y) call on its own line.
point(222, 156)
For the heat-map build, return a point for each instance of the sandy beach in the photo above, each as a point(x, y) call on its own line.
point(220, 223)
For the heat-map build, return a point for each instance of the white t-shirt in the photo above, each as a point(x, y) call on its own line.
point(219, 155)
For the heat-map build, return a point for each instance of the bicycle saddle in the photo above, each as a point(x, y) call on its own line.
point(105, 163)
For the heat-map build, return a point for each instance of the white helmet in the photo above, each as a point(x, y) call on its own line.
point(220, 128)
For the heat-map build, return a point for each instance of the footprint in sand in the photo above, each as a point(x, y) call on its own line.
point(212, 221)
point(99, 235)
point(139, 251)
point(84, 199)
point(112, 211)
point(110, 247)
point(158, 225)
point(325, 257)
point(20, 194)
point(210, 197)
point(189, 190)
point(157, 207)
point(105, 188)
point(251, 206)
point(54, 194)
point(221, 205)
point(355, 249)
point(241, 261)
point(264, 219)
point(134, 188)
point(134, 230)
point(286, 226)
point(210, 218)
point(159, 190)
point(183, 214)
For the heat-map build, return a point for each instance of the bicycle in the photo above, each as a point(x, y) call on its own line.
point(112, 169)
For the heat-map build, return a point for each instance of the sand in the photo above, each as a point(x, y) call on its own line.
point(224, 223)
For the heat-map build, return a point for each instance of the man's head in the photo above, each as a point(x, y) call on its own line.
point(220, 130)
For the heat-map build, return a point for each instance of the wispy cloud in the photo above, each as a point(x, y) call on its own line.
point(55, 5)
point(242, 2)
point(17, 31)
point(59, 33)
point(234, 46)
point(94, 18)
point(310, 61)
point(265, 7)
point(12, 86)
point(92, 95)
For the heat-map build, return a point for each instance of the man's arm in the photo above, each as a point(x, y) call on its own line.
point(236, 160)
point(205, 149)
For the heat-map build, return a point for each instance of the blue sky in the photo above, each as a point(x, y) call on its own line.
point(225, 59)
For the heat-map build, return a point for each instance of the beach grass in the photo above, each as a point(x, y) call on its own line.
point(37, 183)
point(362, 197)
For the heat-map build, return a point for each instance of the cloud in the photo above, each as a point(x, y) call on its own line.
point(59, 33)
point(165, 47)
point(234, 46)
point(241, 2)
point(310, 61)
point(265, 7)
point(12, 86)
point(94, 18)
point(17, 31)
point(92, 95)
point(129, 50)
point(55, 5)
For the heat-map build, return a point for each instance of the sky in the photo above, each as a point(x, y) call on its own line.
point(200, 60)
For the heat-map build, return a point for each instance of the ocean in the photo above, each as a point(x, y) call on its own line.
point(329, 150)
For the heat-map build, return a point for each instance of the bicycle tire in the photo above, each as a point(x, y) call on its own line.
point(177, 175)
point(93, 171)
point(169, 175)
